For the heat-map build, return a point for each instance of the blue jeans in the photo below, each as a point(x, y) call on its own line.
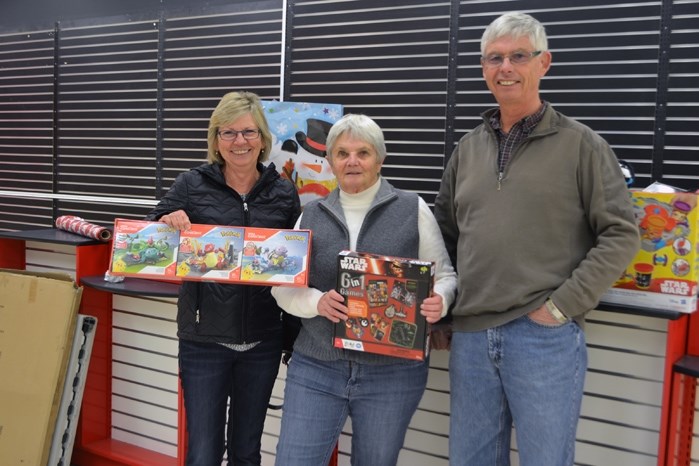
point(524, 373)
point(319, 395)
point(212, 375)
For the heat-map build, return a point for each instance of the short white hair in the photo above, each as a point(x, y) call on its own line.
point(515, 24)
point(359, 127)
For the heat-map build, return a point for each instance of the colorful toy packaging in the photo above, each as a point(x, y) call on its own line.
point(144, 249)
point(277, 257)
point(383, 295)
point(208, 252)
point(663, 275)
point(264, 256)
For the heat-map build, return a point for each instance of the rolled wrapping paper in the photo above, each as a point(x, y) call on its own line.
point(81, 227)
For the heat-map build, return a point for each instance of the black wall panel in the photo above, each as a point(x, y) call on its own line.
point(206, 56)
point(387, 60)
point(99, 112)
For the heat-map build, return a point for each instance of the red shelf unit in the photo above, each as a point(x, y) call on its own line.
point(93, 443)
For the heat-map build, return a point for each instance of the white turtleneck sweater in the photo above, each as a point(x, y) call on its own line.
point(303, 302)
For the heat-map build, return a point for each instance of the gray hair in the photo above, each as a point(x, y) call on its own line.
point(515, 25)
point(359, 127)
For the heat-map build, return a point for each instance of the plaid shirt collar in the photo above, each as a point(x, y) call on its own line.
point(518, 133)
point(526, 125)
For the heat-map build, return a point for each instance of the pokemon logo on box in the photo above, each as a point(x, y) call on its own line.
point(144, 249)
point(664, 273)
point(275, 257)
point(256, 256)
point(208, 252)
point(383, 295)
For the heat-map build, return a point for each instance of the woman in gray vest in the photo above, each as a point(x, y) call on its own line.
point(325, 384)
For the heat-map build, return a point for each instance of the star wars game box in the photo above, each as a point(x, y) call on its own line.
point(384, 294)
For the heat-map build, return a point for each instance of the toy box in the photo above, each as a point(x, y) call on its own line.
point(263, 256)
point(663, 275)
point(144, 249)
point(383, 295)
point(210, 252)
point(278, 257)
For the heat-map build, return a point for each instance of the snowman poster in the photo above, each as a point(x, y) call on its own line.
point(299, 132)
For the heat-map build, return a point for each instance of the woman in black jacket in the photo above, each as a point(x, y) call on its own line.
point(230, 336)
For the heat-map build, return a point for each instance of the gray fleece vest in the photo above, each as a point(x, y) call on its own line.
point(389, 228)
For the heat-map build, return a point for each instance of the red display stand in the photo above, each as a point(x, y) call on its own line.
point(93, 443)
point(679, 393)
point(95, 447)
point(679, 382)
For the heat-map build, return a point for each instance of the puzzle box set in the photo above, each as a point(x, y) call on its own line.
point(383, 295)
point(230, 254)
point(664, 273)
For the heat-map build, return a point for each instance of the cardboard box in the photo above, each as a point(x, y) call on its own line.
point(383, 295)
point(38, 313)
point(144, 249)
point(663, 275)
point(229, 254)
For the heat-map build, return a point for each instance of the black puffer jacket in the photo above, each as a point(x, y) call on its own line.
point(226, 313)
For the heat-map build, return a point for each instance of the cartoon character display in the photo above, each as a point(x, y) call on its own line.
point(664, 223)
point(209, 251)
point(203, 259)
point(275, 260)
point(140, 247)
point(276, 257)
point(299, 132)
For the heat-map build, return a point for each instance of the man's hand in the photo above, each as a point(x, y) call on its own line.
point(543, 316)
point(440, 337)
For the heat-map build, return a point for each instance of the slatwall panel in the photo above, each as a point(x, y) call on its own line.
point(144, 373)
point(92, 208)
point(604, 71)
point(385, 59)
point(107, 108)
point(619, 422)
point(207, 56)
point(50, 257)
point(26, 126)
point(681, 152)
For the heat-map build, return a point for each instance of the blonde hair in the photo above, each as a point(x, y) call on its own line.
point(231, 107)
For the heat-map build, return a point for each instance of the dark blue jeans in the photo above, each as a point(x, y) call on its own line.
point(212, 375)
